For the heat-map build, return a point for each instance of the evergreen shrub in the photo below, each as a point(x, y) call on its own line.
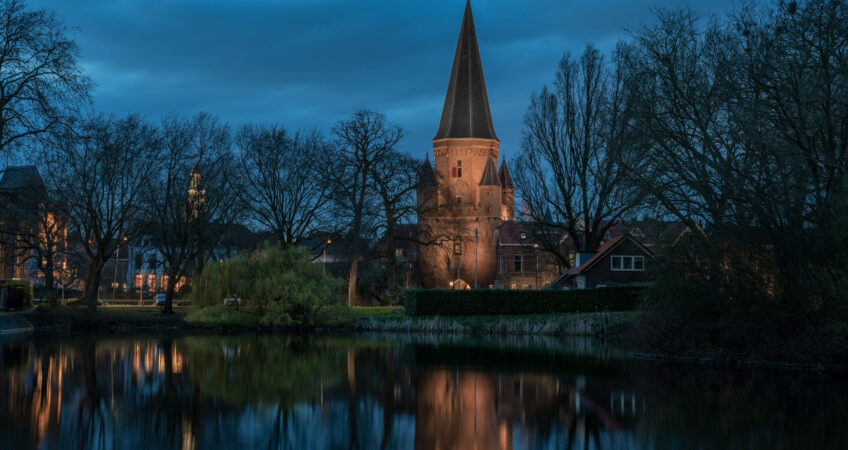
point(445, 302)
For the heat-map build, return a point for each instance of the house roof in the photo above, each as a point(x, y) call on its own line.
point(650, 232)
point(466, 111)
point(490, 173)
point(603, 251)
point(509, 233)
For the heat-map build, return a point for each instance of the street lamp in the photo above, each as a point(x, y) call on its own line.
point(324, 258)
point(536, 248)
point(475, 258)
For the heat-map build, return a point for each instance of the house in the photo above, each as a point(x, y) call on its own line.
point(522, 261)
point(621, 260)
point(32, 226)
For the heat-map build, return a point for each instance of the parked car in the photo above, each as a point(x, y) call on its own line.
point(232, 300)
point(159, 299)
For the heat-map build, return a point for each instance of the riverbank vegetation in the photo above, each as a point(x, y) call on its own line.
point(735, 125)
point(270, 286)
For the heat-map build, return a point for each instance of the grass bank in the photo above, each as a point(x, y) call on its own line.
point(386, 319)
point(569, 324)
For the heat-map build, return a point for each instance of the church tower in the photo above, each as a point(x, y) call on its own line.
point(469, 197)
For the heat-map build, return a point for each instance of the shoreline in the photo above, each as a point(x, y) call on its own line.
point(552, 326)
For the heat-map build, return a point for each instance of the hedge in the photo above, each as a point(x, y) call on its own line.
point(444, 302)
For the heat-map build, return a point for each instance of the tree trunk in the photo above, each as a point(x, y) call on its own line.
point(48, 272)
point(92, 285)
point(352, 281)
point(392, 268)
point(169, 295)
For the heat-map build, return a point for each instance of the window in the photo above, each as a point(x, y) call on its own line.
point(458, 200)
point(517, 263)
point(628, 263)
point(523, 235)
point(457, 171)
point(457, 247)
point(398, 252)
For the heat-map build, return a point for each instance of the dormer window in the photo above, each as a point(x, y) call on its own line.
point(457, 170)
point(523, 235)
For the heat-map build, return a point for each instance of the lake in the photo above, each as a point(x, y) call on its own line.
point(397, 392)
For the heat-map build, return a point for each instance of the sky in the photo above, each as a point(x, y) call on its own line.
point(306, 64)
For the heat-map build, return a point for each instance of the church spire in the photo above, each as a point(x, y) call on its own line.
point(466, 112)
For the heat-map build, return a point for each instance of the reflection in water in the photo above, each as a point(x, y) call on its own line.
point(332, 392)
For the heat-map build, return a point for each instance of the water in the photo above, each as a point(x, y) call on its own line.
point(372, 392)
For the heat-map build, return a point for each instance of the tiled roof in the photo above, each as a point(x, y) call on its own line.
point(509, 233)
point(466, 111)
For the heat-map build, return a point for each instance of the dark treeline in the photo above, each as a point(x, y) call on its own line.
point(183, 179)
point(735, 126)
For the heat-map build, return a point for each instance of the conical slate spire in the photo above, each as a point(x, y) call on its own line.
point(466, 112)
point(505, 177)
point(490, 174)
point(427, 178)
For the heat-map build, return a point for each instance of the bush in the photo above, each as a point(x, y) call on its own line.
point(443, 302)
point(278, 287)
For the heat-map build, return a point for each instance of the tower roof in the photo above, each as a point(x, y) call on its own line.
point(466, 112)
point(426, 177)
point(505, 177)
point(490, 174)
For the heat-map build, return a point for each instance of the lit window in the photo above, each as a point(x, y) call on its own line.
point(457, 247)
point(517, 263)
point(523, 235)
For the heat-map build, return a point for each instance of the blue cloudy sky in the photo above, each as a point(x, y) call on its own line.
point(309, 63)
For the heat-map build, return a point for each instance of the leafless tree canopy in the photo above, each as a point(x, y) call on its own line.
point(190, 194)
point(284, 182)
point(41, 84)
point(362, 142)
point(577, 148)
point(101, 175)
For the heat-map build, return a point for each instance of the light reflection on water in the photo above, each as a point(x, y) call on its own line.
point(392, 392)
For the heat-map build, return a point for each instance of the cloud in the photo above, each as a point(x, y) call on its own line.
point(306, 64)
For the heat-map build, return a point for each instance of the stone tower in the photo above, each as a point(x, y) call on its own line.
point(464, 199)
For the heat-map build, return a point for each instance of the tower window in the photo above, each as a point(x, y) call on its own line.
point(457, 171)
point(457, 247)
point(458, 200)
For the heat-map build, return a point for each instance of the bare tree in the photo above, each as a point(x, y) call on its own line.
point(395, 180)
point(100, 175)
point(576, 151)
point(361, 142)
point(191, 192)
point(41, 84)
point(283, 181)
